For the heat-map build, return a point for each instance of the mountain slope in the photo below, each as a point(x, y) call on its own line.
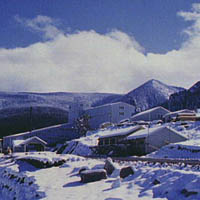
point(18, 120)
point(56, 100)
point(52, 108)
point(47, 109)
point(189, 99)
point(150, 94)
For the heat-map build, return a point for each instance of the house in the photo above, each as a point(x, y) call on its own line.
point(149, 140)
point(187, 117)
point(52, 135)
point(118, 136)
point(173, 115)
point(30, 144)
point(156, 113)
point(113, 112)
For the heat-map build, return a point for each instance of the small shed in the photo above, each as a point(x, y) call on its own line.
point(116, 138)
point(30, 144)
point(156, 113)
point(149, 140)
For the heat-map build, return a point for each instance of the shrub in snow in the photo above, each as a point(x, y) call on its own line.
point(40, 162)
point(126, 171)
point(156, 182)
point(109, 166)
point(18, 186)
point(93, 175)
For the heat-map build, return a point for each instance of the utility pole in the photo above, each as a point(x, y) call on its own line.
point(31, 109)
point(148, 131)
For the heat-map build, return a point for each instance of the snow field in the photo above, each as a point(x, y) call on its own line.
point(150, 180)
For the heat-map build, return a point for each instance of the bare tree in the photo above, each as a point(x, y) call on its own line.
point(82, 124)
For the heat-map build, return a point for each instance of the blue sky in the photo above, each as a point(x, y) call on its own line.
point(97, 46)
point(154, 24)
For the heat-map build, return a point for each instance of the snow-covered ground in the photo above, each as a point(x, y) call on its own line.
point(20, 180)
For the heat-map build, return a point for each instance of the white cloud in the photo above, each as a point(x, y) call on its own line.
point(87, 61)
point(42, 24)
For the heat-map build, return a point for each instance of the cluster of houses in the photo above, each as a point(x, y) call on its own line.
point(139, 138)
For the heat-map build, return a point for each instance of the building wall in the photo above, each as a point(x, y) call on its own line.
point(156, 114)
point(75, 111)
point(99, 115)
point(162, 137)
point(121, 111)
point(109, 113)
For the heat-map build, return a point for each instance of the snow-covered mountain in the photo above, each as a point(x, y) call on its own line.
point(150, 94)
point(51, 108)
point(56, 99)
point(189, 99)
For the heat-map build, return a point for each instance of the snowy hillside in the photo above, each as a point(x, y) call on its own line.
point(56, 100)
point(17, 119)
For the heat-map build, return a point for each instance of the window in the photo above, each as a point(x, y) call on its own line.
point(121, 113)
point(112, 141)
point(121, 107)
point(106, 141)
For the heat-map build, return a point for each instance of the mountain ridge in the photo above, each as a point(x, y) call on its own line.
point(187, 99)
point(148, 95)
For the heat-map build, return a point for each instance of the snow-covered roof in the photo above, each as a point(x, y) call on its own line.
point(27, 141)
point(36, 130)
point(17, 142)
point(194, 143)
point(108, 104)
point(179, 111)
point(149, 111)
point(123, 132)
point(144, 133)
